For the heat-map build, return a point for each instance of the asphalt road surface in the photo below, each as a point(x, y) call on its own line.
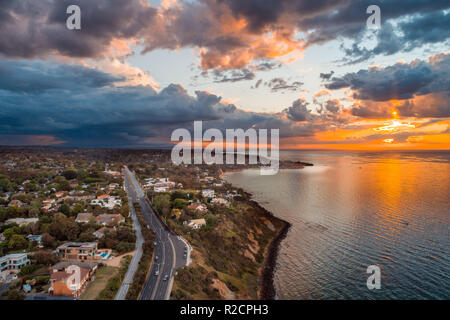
point(123, 290)
point(169, 248)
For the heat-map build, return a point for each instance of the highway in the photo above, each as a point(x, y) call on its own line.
point(169, 248)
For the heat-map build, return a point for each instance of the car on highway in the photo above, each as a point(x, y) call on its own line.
point(165, 277)
point(156, 258)
point(185, 256)
point(157, 273)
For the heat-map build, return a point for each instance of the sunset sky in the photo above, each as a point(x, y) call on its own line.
point(139, 69)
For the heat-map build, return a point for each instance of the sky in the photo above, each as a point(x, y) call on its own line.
point(137, 70)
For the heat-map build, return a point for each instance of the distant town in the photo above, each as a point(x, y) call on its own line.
point(66, 209)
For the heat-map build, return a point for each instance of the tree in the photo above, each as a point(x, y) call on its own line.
point(162, 203)
point(17, 242)
point(15, 294)
point(45, 257)
point(29, 269)
point(69, 174)
point(48, 241)
point(64, 208)
point(180, 203)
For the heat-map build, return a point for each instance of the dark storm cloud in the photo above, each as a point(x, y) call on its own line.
point(399, 81)
point(86, 107)
point(37, 77)
point(298, 111)
point(31, 28)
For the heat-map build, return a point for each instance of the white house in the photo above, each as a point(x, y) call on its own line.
point(196, 223)
point(106, 201)
point(220, 202)
point(208, 193)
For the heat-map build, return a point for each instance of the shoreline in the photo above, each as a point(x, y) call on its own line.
point(267, 290)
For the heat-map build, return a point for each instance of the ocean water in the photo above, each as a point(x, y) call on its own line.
point(356, 209)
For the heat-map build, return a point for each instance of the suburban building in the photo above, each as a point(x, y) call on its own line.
point(14, 262)
point(70, 278)
point(77, 251)
point(22, 221)
point(106, 201)
point(84, 217)
point(82, 251)
point(17, 203)
point(36, 238)
point(100, 233)
point(197, 207)
point(112, 173)
point(196, 223)
point(208, 193)
point(109, 219)
point(220, 202)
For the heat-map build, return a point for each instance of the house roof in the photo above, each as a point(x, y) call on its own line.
point(84, 216)
point(82, 264)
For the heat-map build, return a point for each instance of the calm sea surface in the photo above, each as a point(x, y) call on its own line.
point(355, 209)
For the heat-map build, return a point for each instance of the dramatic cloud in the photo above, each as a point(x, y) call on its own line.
point(298, 111)
point(31, 28)
point(399, 81)
point(233, 75)
point(230, 34)
point(83, 106)
point(281, 85)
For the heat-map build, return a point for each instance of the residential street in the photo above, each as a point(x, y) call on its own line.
point(169, 248)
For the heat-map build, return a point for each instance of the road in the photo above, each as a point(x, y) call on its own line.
point(132, 268)
point(169, 248)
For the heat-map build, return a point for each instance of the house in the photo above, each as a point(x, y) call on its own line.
point(220, 202)
point(17, 203)
point(70, 278)
point(14, 262)
point(208, 193)
point(82, 251)
point(84, 217)
point(160, 189)
point(112, 173)
point(59, 194)
point(197, 207)
point(106, 201)
point(100, 233)
point(109, 219)
point(35, 238)
point(196, 223)
point(22, 221)
point(77, 251)
point(113, 186)
point(48, 202)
